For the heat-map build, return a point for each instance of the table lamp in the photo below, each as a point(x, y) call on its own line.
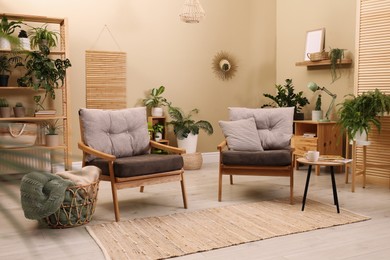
point(314, 87)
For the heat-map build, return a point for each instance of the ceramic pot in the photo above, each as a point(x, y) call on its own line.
point(52, 140)
point(5, 112)
point(19, 111)
point(157, 111)
point(4, 80)
point(316, 115)
point(157, 136)
point(189, 143)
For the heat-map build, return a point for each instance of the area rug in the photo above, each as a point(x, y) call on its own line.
point(196, 231)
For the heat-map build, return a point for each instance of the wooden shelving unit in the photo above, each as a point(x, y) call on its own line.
point(321, 63)
point(13, 93)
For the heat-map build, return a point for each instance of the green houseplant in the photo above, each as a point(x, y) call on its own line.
point(317, 113)
point(155, 101)
point(187, 129)
point(6, 64)
point(335, 56)
point(158, 131)
point(44, 73)
point(43, 36)
point(286, 97)
point(52, 130)
point(358, 114)
point(4, 108)
point(7, 40)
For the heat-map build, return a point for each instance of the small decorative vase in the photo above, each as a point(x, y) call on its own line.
point(52, 140)
point(5, 112)
point(316, 115)
point(157, 111)
point(157, 136)
point(19, 111)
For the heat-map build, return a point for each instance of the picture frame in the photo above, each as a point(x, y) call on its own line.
point(315, 42)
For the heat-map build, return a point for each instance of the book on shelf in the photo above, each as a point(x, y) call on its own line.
point(44, 113)
point(309, 135)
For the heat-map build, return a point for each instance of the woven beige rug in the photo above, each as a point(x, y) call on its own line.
point(190, 232)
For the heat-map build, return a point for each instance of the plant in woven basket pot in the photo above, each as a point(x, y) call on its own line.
point(5, 110)
point(358, 114)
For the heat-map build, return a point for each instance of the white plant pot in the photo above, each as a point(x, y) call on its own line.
point(5, 44)
point(157, 111)
point(157, 136)
point(361, 138)
point(52, 140)
point(25, 44)
point(316, 115)
point(189, 143)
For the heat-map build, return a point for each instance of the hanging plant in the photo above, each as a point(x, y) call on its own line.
point(335, 56)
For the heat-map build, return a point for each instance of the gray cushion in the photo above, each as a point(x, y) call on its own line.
point(141, 165)
point(241, 135)
point(121, 132)
point(274, 125)
point(264, 158)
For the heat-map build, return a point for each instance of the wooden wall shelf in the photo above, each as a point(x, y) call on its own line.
point(321, 63)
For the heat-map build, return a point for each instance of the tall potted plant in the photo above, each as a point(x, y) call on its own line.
point(187, 129)
point(155, 101)
point(286, 97)
point(358, 114)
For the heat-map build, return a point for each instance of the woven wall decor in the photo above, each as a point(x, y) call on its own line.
point(224, 65)
point(105, 79)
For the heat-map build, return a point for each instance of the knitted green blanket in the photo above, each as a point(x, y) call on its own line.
point(42, 194)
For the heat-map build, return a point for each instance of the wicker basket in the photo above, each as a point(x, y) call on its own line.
point(192, 161)
point(318, 56)
point(78, 207)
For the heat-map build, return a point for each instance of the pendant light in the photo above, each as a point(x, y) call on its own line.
point(192, 12)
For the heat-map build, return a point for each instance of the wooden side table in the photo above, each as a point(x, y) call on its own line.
point(331, 164)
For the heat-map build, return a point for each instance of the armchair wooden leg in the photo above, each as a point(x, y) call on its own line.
point(141, 189)
point(220, 187)
point(292, 188)
point(115, 201)
point(183, 191)
point(231, 179)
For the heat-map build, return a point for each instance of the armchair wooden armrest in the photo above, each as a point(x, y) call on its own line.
point(89, 150)
point(167, 148)
point(222, 145)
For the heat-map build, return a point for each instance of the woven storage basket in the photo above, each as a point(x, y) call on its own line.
point(78, 207)
point(192, 161)
point(318, 56)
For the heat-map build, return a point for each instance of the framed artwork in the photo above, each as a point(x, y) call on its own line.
point(315, 42)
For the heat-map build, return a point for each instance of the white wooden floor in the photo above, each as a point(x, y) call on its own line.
point(21, 238)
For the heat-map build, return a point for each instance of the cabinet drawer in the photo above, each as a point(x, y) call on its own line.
point(304, 144)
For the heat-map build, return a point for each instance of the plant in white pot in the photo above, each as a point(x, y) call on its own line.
point(158, 132)
point(357, 115)
point(52, 129)
point(186, 129)
point(155, 101)
point(317, 113)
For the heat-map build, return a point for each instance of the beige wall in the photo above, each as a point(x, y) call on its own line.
point(162, 50)
point(294, 19)
point(267, 37)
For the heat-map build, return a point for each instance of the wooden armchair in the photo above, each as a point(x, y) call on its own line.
point(118, 143)
point(257, 144)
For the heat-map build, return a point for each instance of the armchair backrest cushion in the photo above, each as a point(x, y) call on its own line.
point(121, 132)
point(274, 125)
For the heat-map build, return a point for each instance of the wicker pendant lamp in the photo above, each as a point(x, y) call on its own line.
point(192, 12)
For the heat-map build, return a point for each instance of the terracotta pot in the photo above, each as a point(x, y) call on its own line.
point(5, 112)
point(19, 111)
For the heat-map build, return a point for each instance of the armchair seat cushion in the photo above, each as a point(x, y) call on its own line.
point(257, 158)
point(141, 164)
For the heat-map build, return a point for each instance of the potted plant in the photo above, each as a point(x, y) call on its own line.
point(286, 97)
point(186, 129)
point(158, 131)
point(358, 114)
point(24, 40)
point(43, 36)
point(317, 114)
point(155, 101)
point(52, 129)
point(7, 40)
point(44, 73)
point(5, 110)
point(5, 68)
point(335, 56)
point(19, 110)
